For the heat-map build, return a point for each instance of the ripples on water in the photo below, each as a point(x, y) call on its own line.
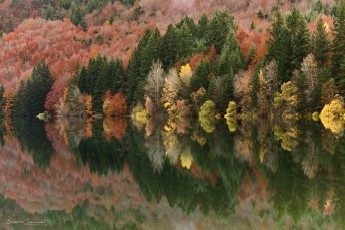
point(114, 174)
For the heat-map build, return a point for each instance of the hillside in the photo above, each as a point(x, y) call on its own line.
point(63, 45)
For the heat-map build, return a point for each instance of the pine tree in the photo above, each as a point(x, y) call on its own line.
point(82, 83)
point(202, 76)
point(41, 85)
point(202, 26)
point(134, 77)
point(189, 22)
point(150, 53)
point(300, 38)
point(231, 59)
point(19, 106)
point(219, 29)
point(186, 42)
point(338, 45)
point(168, 49)
point(279, 48)
point(321, 47)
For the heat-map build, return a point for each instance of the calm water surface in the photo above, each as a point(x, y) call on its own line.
point(112, 174)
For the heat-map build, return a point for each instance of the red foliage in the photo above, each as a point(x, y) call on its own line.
point(114, 127)
point(114, 106)
point(195, 60)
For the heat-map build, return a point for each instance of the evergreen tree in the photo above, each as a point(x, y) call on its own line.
point(202, 26)
point(150, 53)
point(338, 46)
point(219, 28)
point(231, 59)
point(19, 106)
point(202, 76)
point(41, 85)
point(251, 55)
point(31, 95)
point(134, 77)
point(82, 83)
point(168, 49)
point(77, 17)
point(189, 22)
point(300, 38)
point(321, 48)
point(186, 42)
point(279, 48)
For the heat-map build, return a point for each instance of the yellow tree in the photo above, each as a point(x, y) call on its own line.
point(186, 74)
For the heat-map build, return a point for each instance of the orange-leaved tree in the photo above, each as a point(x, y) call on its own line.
point(114, 106)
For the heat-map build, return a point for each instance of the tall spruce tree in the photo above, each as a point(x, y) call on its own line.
point(202, 26)
point(134, 76)
point(338, 45)
point(231, 59)
point(300, 38)
point(321, 46)
point(219, 28)
point(279, 47)
point(31, 95)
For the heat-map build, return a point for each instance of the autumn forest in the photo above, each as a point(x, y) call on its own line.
point(278, 63)
point(143, 114)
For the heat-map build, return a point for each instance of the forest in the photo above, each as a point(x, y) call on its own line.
point(282, 62)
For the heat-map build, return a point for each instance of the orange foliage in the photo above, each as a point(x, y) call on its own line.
point(260, 52)
point(114, 127)
point(211, 55)
point(88, 103)
point(114, 106)
point(9, 97)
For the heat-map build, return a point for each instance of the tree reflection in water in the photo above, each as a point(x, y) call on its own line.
point(290, 172)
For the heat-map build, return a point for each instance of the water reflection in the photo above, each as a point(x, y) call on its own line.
point(114, 174)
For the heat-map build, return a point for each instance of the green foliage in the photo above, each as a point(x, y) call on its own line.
point(77, 17)
point(202, 75)
point(99, 154)
point(231, 58)
point(279, 47)
point(300, 38)
point(321, 44)
point(176, 43)
point(219, 28)
point(100, 75)
point(338, 45)
point(140, 64)
point(32, 94)
point(32, 137)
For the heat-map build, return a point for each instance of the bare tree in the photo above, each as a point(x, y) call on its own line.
point(155, 83)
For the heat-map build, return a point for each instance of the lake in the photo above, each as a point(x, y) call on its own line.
point(119, 174)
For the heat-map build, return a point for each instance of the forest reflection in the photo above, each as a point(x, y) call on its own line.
point(290, 172)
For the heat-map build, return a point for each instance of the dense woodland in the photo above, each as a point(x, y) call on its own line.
point(289, 64)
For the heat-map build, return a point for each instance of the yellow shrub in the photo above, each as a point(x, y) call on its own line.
point(332, 116)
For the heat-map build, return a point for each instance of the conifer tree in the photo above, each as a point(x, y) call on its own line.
point(219, 28)
point(321, 46)
point(279, 47)
point(231, 58)
point(82, 83)
point(202, 26)
point(338, 45)
point(300, 38)
point(31, 95)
